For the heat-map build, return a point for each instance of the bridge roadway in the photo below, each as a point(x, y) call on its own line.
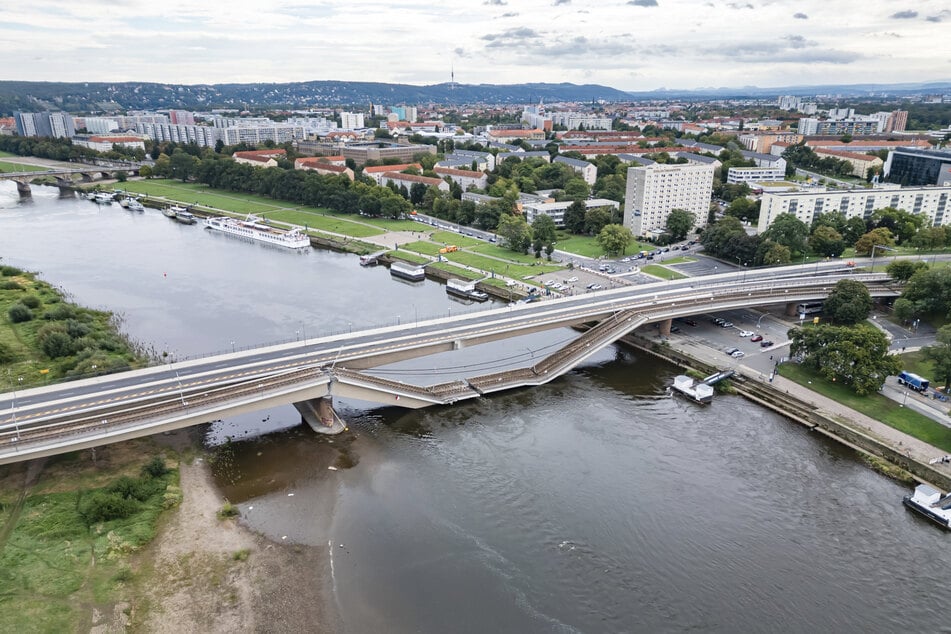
point(80, 414)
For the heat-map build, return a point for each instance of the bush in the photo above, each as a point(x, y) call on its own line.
point(10, 285)
point(241, 555)
point(135, 488)
point(7, 355)
point(155, 468)
point(19, 313)
point(56, 344)
point(101, 506)
point(227, 510)
point(60, 312)
point(30, 301)
point(10, 271)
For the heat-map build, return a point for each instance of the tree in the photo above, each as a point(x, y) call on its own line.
point(928, 291)
point(614, 239)
point(543, 231)
point(848, 303)
point(826, 241)
point(182, 165)
point(788, 230)
point(940, 355)
point(515, 233)
point(902, 270)
point(577, 189)
point(679, 223)
point(574, 217)
point(596, 219)
point(854, 228)
point(775, 254)
point(145, 171)
point(880, 237)
point(853, 355)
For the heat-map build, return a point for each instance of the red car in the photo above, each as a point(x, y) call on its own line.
point(756, 338)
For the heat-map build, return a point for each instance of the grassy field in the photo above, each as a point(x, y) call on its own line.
point(662, 272)
point(916, 362)
point(455, 270)
point(500, 268)
point(403, 254)
point(503, 253)
point(7, 167)
point(75, 536)
point(321, 222)
point(874, 406)
point(679, 260)
point(6, 154)
point(422, 246)
point(450, 237)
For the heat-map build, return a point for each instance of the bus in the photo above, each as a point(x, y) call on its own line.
point(809, 308)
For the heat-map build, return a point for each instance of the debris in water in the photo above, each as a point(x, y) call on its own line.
point(332, 468)
point(290, 495)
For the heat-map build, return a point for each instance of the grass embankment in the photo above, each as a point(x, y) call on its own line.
point(44, 338)
point(8, 167)
point(71, 540)
point(589, 247)
point(679, 260)
point(874, 406)
point(449, 237)
point(917, 363)
point(662, 272)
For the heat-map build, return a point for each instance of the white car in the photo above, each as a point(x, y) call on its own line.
point(571, 280)
point(739, 354)
point(746, 333)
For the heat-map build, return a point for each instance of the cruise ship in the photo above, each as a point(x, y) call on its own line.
point(252, 228)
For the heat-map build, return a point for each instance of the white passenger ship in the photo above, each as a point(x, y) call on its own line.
point(252, 227)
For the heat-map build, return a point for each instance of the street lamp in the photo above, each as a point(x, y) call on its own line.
point(232, 345)
point(883, 248)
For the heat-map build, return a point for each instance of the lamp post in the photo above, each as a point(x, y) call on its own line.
point(16, 425)
point(232, 345)
point(883, 248)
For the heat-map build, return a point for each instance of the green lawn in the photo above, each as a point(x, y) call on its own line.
point(679, 260)
point(500, 268)
point(194, 193)
point(455, 270)
point(8, 167)
point(916, 362)
point(449, 237)
point(588, 246)
point(5, 154)
point(874, 406)
point(422, 246)
point(662, 272)
point(503, 253)
point(322, 222)
point(410, 257)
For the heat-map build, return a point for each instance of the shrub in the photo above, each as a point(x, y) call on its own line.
point(135, 488)
point(241, 555)
point(56, 344)
point(10, 271)
point(10, 285)
point(77, 329)
point(60, 312)
point(227, 510)
point(19, 313)
point(7, 355)
point(155, 468)
point(101, 506)
point(30, 301)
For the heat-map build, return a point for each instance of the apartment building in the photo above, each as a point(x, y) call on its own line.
point(376, 173)
point(908, 166)
point(654, 190)
point(556, 210)
point(51, 124)
point(588, 171)
point(929, 201)
point(861, 163)
point(736, 175)
point(260, 158)
point(464, 178)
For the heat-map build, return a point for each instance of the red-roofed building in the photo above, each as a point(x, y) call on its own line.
point(376, 173)
point(504, 136)
point(860, 162)
point(464, 178)
point(410, 179)
point(260, 158)
point(316, 164)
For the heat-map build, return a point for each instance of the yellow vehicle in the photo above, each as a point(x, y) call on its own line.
point(449, 249)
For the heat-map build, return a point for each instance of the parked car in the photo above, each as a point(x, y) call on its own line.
point(690, 322)
point(765, 344)
point(595, 287)
point(731, 351)
point(726, 324)
point(718, 321)
point(756, 338)
point(572, 279)
point(746, 333)
point(685, 248)
point(674, 329)
point(739, 354)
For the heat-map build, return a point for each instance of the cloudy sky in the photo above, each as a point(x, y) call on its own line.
point(626, 44)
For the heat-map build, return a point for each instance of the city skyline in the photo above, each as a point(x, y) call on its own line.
point(625, 44)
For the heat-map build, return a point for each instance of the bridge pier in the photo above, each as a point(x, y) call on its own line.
point(319, 414)
point(791, 309)
point(65, 186)
point(23, 188)
point(665, 327)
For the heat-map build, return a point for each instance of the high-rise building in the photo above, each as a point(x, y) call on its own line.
point(181, 117)
point(52, 124)
point(653, 191)
point(351, 120)
point(908, 166)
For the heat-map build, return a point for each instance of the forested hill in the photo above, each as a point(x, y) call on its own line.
point(99, 97)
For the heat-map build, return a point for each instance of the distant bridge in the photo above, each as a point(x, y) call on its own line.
point(80, 414)
point(64, 175)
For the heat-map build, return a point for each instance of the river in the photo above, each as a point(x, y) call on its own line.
point(593, 504)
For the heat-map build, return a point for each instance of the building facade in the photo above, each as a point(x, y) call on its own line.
point(653, 191)
point(51, 124)
point(858, 203)
point(910, 167)
point(736, 175)
point(588, 171)
point(556, 210)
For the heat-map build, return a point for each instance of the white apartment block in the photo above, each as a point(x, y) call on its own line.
point(588, 171)
point(556, 211)
point(351, 120)
point(858, 203)
point(653, 191)
point(577, 120)
point(736, 175)
point(99, 125)
point(464, 178)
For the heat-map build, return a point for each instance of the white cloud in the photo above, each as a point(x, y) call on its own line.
point(417, 41)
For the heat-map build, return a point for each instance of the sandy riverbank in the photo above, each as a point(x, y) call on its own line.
point(211, 575)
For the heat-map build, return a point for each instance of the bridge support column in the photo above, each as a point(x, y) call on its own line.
point(665, 327)
point(23, 188)
point(65, 187)
point(320, 415)
point(791, 309)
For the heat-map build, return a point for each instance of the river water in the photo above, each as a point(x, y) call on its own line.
point(593, 504)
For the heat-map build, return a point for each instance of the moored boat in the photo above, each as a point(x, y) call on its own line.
point(696, 391)
point(172, 211)
point(465, 289)
point(931, 503)
point(135, 205)
point(406, 271)
point(103, 198)
point(253, 229)
point(185, 217)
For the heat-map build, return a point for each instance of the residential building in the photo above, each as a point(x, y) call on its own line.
point(762, 142)
point(104, 143)
point(50, 124)
point(579, 121)
point(203, 135)
point(907, 166)
point(376, 173)
point(932, 202)
point(861, 163)
point(506, 136)
point(480, 161)
point(351, 120)
point(653, 191)
point(96, 125)
point(260, 158)
point(588, 171)
point(379, 151)
point(464, 178)
point(854, 126)
point(556, 210)
point(321, 165)
point(409, 180)
point(737, 175)
point(405, 113)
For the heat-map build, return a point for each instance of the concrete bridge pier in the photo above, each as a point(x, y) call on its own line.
point(791, 310)
point(65, 186)
point(320, 415)
point(664, 327)
point(23, 188)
